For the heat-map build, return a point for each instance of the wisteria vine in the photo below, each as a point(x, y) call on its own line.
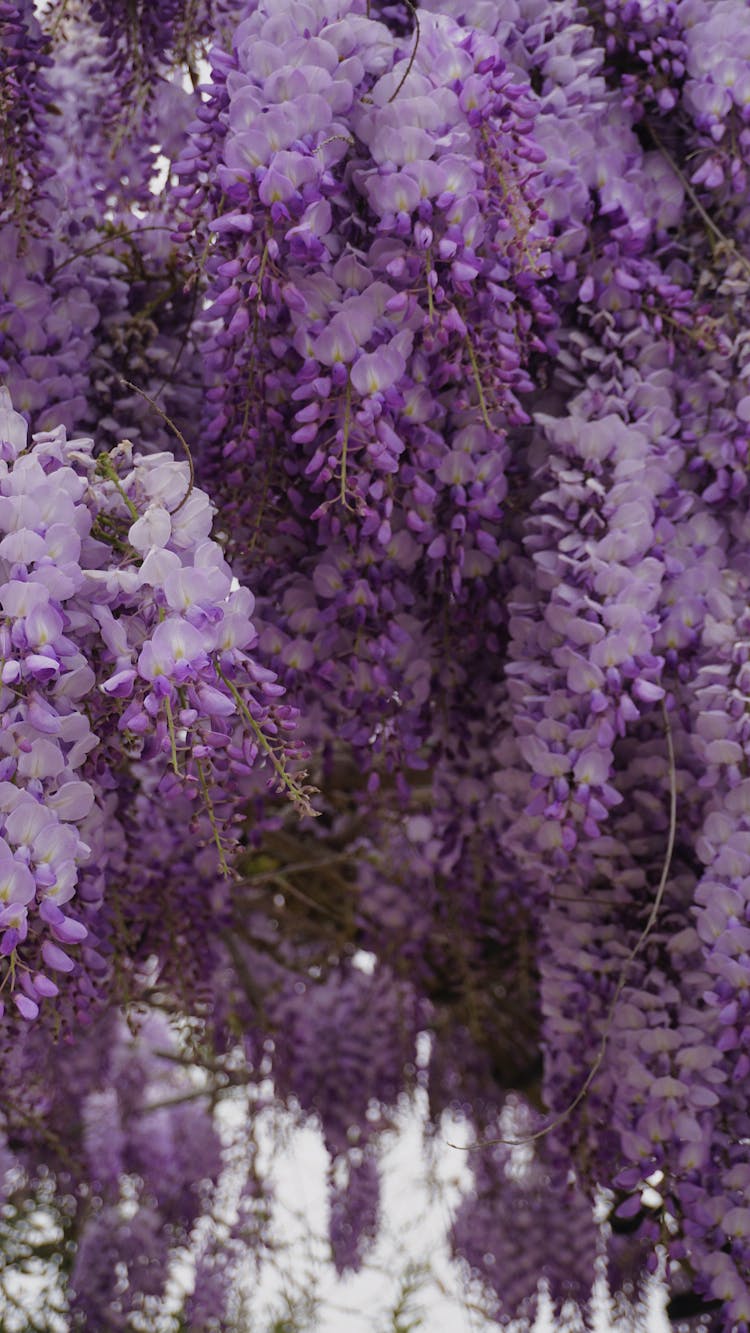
point(374, 670)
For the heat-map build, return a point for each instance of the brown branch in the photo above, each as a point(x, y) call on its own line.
point(413, 56)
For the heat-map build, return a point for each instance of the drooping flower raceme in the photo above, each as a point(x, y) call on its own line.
point(124, 640)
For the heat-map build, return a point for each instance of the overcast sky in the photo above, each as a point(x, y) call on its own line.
point(415, 1220)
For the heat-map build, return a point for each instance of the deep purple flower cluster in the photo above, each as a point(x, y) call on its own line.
point(24, 95)
point(361, 1066)
point(522, 1221)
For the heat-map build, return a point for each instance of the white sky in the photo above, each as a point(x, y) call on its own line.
point(416, 1218)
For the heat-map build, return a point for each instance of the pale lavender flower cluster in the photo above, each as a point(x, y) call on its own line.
point(683, 63)
point(46, 334)
point(120, 619)
point(717, 89)
point(603, 660)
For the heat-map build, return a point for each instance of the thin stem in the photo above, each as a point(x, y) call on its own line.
point(121, 235)
point(58, 20)
point(299, 796)
point(169, 422)
point(622, 979)
point(281, 882)
point(413, 55)
point(296, 867)
point(478, 381)
point(725, 241)
point(195, 1094)
point(212, 820)
point(172, 735)
point(107, 469)
point(169, 375)
point(345, 441)
point(345, 138)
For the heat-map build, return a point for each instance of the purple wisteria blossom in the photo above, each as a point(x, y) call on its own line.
point(374, 635)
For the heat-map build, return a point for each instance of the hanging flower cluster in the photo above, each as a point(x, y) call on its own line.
point(123, 639)
point(121, 1126)
point(377, 253)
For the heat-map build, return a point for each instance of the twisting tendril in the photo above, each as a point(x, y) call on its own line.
point(413, 55)
point(169, 422)
point(621, 981)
